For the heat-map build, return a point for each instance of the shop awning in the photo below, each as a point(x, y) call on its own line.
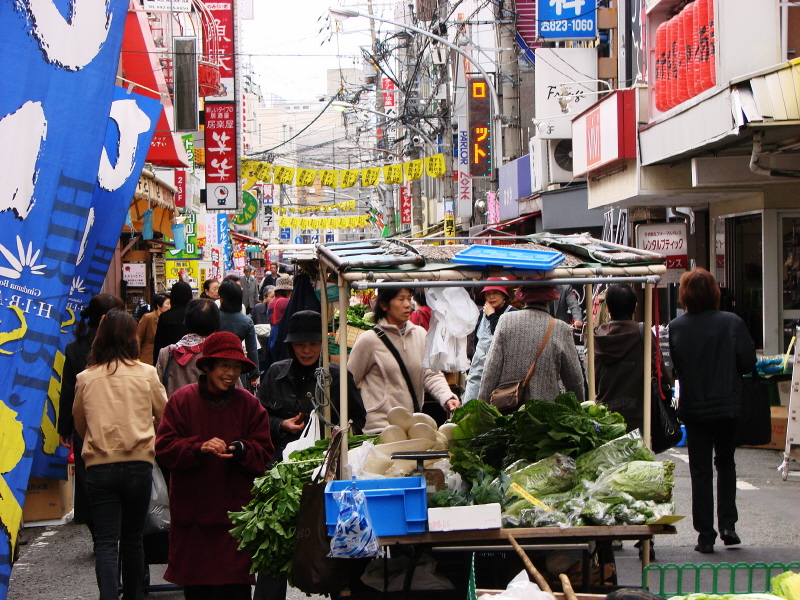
point(506, 228)
point(152, 192)
point(249, 240)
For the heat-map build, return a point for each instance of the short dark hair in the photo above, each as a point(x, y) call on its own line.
point(621, 301)
point(159, 299)
point(698, 291)
point(231, 277)
point(230, 296)
point(180, 294)
point(93, 312)
point(202, 317)
point(385, 296)
point(115, 340)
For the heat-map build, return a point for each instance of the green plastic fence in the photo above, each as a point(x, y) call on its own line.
point(724, 578)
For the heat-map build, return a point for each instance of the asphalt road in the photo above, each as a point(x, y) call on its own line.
point(56, 563)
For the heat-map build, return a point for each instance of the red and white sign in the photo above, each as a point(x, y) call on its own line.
point(220, 138)
point(180, 185)
point(216, 271)
point(222, 12)
point(239, 259)
point(668, 239)
point(405, 205)
point(604, 135)
point(389, 92)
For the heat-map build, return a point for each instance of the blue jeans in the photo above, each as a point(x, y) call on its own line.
point(119, 497)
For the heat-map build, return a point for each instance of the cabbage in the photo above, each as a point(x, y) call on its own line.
point(787, 585)
point(643, 480)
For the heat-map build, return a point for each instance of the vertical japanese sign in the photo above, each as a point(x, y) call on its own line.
point(668, 239)
point(224, 241)
point(480, 134)
point(390, 108)
point(222, 12)
point(450, 221)
point(221, 173)
point(405, 205)
point(461, 169)
point(53, 115)
point(180, 186)
point(129, 130)
point(268, 199)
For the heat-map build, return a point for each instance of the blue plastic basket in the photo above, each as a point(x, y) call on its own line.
point(397, 506)
point(520, 258)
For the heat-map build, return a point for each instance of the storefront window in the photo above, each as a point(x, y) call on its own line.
point(790, 258)
point(745, 267)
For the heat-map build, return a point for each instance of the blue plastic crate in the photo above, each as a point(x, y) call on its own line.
point(397, 506)
point(520, 258)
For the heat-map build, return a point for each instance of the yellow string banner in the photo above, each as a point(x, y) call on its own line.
point(306, 177)
point(329, 177)
point(393, 174)
point(348, 178)
point(369, 177)
point(413, 169)
point(283, 174)
point(434, 165)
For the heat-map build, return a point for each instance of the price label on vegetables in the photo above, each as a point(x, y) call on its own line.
point(668, 239)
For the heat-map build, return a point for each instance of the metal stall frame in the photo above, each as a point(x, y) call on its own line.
point(362, 279)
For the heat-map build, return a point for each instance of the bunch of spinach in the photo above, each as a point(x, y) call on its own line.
point(357, 316)
point(266, 526)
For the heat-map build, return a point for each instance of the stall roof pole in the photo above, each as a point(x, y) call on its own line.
point(589, 355)
point(648, 352)
point(323, 311)
point(344, 471)
point(382, 285)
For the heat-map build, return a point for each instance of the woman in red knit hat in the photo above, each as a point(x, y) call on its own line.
point(215, 439)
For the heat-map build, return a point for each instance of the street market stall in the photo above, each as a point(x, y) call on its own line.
point(375, 264)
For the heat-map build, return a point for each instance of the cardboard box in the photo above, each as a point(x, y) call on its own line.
point(780, 418)
point(458, 518)
point(47, 499)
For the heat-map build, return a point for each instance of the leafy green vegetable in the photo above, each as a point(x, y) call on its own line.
point(786, 585)
point(446, 498)
point(318, 449)
point(474, 418)
point(644, 480)
point(266, 526)
point(612, 454)
point(359, 316)
point(548, 476)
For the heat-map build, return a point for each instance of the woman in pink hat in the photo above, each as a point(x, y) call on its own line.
point(215, 439)
point(496, 299)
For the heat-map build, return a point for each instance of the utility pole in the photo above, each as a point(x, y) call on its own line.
point(508, 72)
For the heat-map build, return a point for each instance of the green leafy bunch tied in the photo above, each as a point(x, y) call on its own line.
point(266, 527)
point(540, 429)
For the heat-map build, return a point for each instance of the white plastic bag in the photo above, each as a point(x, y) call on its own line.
point(520, 588)
point(158, 512)
point(453, 318)
point(308, 438)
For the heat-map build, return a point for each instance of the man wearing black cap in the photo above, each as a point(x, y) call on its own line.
point(289, 387)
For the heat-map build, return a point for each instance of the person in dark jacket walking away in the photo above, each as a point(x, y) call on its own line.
point(232, 319)
point(619, 358)
point(711, 350)
point(170, 327)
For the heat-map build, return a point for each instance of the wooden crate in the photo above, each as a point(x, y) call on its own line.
point(353, 333)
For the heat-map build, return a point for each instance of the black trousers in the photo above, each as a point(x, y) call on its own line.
point(707, 442)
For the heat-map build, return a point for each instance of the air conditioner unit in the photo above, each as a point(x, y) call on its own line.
point(551, 162)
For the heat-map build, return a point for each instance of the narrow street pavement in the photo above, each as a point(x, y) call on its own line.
point(56, 563)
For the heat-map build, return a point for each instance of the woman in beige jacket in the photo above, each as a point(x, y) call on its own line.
point(118, 403)
point(379, 375)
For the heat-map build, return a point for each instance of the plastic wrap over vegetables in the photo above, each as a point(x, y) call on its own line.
point(787, 585)
point(643, 480)
point(547, 476)
point(453, 318)
point(626, 448)
point(354, 536)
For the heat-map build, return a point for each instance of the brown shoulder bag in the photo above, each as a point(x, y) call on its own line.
point(510, 394)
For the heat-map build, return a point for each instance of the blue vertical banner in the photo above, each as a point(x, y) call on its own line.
point(224, 239)
point(61, 60)
point(130, 126)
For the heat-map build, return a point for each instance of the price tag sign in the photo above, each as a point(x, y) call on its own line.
point(668, 239)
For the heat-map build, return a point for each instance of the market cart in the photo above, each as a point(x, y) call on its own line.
point(375, 264)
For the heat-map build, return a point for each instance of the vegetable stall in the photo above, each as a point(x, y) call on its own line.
point(565, 473)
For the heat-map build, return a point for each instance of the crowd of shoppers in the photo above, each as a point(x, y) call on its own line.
point(213, 437)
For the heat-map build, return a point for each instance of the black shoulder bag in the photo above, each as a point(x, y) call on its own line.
point(665, 430)
point(385, 339)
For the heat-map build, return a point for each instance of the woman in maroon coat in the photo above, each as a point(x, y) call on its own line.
point(214, 438)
